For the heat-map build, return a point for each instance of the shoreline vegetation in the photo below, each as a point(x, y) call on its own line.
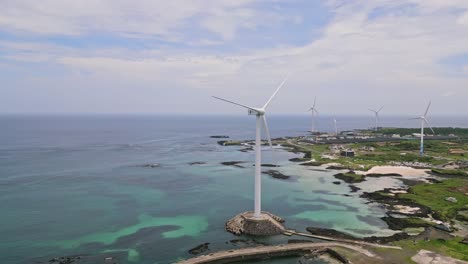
point(430, 213)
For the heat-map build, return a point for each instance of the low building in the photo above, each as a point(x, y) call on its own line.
point(347, 153)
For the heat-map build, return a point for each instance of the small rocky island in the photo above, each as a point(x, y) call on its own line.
point(246, 223)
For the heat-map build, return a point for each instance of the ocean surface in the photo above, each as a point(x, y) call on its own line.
point(77, 185)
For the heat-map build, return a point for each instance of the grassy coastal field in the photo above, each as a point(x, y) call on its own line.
point(439, 222)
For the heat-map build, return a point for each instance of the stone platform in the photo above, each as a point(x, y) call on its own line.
point(267, 224)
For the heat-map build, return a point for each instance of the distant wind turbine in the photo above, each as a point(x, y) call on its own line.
point(336, 127)
point(423, 120)
point(261, 121)
point(314, 111)
point(377, 119)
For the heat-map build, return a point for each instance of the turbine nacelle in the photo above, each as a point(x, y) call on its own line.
point(256, 111)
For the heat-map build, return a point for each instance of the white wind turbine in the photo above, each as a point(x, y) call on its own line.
point(423, 120)
point(377, 119)
point(336, 127)
point(314, 111)
point(261, 120)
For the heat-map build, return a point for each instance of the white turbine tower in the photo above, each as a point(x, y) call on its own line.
point(261, 120)
point(336, 127)
point(314, 111)
point(424, 120)
point(377, 119)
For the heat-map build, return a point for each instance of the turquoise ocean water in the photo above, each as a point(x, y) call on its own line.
point(75, 185)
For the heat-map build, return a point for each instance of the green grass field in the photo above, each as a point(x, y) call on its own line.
point(434, 196)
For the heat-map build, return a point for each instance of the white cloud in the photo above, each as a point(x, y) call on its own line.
point(393, 58)
point(147, 18)
point(463, 19)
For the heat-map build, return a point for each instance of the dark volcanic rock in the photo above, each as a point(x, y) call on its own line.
point(151, 165)
point(383, 174)
point(348, 177)
point(311, 163)
point(432, 180)
point(379, 197)
point(233, 163)
point(443, 228)
point(65, 260)
point(297, 159)
point(384, 240)
point(382, 197)
point(329, 232)
point(277, 175)
point(269, 165)
point(465, 240)
point(335, 167)
point(219, 136)
point(197, 163)
point(199, 249)
point(401, 223)
point(354, 188)
point(337, 182)
point(409, 182)
point(244, 242)
point(246, 149)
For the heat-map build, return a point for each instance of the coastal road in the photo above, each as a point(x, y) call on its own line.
point(278, 250)
point(289, 232)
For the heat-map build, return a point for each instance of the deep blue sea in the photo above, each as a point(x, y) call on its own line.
point(76, 185)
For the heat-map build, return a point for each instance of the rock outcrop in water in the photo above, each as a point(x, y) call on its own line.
point(197, 163)
point(65, 260)
point(151, 165)
point(219, 136)
point(199, 249)
point(233, 163)
point(277, 175)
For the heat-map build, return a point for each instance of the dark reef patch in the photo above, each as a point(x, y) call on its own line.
point(199, 249)
point(197, 163)
point(277, 175)
point(219, 136)
point(233, 163)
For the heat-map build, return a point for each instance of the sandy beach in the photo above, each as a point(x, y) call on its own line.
point(402, 170)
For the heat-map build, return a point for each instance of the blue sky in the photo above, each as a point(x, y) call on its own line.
point(146, 56)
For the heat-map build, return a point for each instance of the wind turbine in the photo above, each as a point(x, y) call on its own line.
point(261, 121)
point(314, 111)
point(336, 128)
point(423, 120)
point(377, 119)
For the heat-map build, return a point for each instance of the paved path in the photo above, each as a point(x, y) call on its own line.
point(248, 253)
point(289, 232)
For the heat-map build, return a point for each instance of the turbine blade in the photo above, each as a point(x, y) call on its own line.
point(427, 123)
point(267, 131)
point(316, 111)
point(414, 118)
point(380, 108)
point(274, 94)
point(248, 107)
point(315, 99)
point(427, 109)
point(372, 110)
